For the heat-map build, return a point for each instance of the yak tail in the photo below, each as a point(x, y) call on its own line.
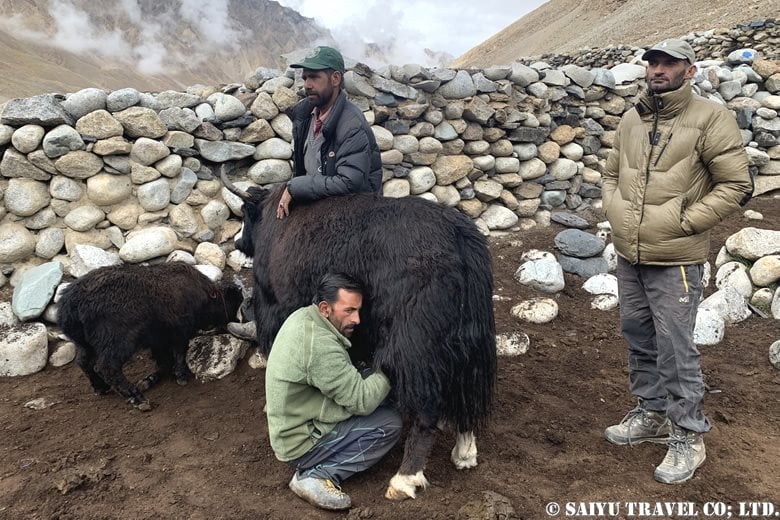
point(471, 399)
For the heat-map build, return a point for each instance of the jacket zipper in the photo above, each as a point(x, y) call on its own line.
point(662, 150)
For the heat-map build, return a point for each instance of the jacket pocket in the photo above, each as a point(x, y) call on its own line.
point(685, 226)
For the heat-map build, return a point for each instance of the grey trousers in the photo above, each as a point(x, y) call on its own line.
point(657, 316)
point(354, 445)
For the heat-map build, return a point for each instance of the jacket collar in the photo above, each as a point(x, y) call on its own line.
point(318, 318)
point(301, 111)
point(666, 105)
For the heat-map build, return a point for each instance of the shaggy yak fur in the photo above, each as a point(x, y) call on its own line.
point(427, 308)
point(113, 312)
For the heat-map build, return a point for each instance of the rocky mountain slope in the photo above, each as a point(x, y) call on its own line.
point(63, 46)
point(566, 25)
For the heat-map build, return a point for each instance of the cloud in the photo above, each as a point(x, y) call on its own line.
point(150, 49)
point(405, 28)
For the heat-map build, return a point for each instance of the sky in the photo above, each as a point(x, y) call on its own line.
point(406, 27)
point(401, 28)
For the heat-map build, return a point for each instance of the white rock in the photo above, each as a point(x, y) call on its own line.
point(752, 243)
point(762, 298)
point(23, 349)
point(212, 272)
point(513, 344)
point(85, 258)
point(497, 216)
point(84, 218)
point(766, 270)
point(774, 354)
point(610, 255)
point(709, 328)
point(181, 256)
point(775, 308)
point(601, 283)
point(50, 242)
point(729, 304)
point(210, 254)
point(214, 357)
point(544, 275)
point(9, 319)
point(753, 215)
point(723, 257)
point(537, 310)
point(155, 195)
point(215, 213)
point(734, 274)
point(226, 107)
point(148, 243)
point(62, 354)
point(605, 302)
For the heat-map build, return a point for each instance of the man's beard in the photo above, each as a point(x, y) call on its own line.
point(671, 84)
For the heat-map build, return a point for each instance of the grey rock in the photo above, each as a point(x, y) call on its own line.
point(44, 110)
point(85, 101)
point(184, 186)
point(16, 165)
point(155, 195)
point(221, 151)
point(461, 86)
point(577, 243)
point(25, 197)
point(569, 220)
point(148, 243)
point(171, 98)
point(523, 75)
point(16, 243)
point(61, 140)
point(35, 289)
point(213, 357)
point(358, 85)
point(50, 242)
point(182, 119)
point(584, 267)
point(84, 218)
point(85, 258)
point(121, 99)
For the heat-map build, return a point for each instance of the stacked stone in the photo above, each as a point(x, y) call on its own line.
point(763, 36)
point(132, 172)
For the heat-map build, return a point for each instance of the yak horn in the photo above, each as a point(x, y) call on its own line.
point(230, 186)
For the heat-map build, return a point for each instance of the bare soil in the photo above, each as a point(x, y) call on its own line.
point(203, 452)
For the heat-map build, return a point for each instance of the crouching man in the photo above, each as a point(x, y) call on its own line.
point(324, 418)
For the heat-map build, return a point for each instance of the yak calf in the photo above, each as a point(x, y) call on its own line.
point(113, 312)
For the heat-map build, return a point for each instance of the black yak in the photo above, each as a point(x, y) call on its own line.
point(427, 312)
point(113, 312)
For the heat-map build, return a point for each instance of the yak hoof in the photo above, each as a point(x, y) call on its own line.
point(181, 381)
point(464, 454)
point(144, 406)
point(405, 486)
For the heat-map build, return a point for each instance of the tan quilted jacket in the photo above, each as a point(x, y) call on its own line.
point(677, 168)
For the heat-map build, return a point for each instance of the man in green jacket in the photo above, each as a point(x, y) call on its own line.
point(677, 168)
point(324, 417)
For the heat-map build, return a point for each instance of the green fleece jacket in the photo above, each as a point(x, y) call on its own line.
point(311, 384)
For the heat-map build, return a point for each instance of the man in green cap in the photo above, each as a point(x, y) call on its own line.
point(677, 168)
point(335, 150)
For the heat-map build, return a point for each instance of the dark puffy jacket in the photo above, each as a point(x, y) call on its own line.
point(350, 156)
point(662, 195)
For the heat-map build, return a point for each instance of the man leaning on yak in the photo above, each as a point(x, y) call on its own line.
point(324, 418)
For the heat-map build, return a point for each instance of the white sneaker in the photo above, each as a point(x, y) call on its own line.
point(640, 425)
point(685, 454)
point(320, 492)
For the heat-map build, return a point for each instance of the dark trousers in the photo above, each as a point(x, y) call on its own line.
point(354, 445)
point(658, 307)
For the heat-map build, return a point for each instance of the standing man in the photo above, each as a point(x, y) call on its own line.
point(324, 418)
point(335, 150)
point(678, 167)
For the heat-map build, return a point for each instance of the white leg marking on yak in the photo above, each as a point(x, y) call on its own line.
point(464, 454)
point(404, 486)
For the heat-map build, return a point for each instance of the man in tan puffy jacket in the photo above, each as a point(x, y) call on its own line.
point(677, 168)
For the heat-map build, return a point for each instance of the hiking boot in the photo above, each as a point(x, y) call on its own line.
point(246, 330)
point(320, 492)
point(640, 425)
point(686, 453)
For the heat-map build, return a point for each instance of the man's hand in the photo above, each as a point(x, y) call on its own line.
point(284, 205)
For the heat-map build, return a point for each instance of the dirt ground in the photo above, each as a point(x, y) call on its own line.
point(203, 452)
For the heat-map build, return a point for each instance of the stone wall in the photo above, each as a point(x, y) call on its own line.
point(762, 36)
point(134, 173)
